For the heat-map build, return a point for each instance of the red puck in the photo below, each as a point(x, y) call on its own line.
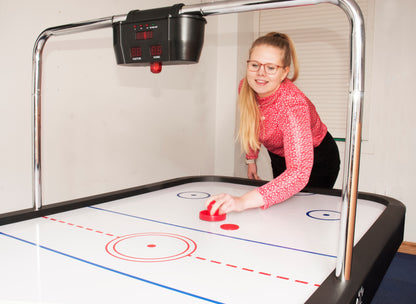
point(206, 216)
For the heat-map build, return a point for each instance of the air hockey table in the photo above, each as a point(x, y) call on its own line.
point(148, 245)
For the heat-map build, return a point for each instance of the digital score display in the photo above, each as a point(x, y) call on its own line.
point(136, 52)
point(156, 50)
point(144, 40)
point(144, 35)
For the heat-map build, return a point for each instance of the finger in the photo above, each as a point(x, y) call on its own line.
point(216, 208)
point(223, 209)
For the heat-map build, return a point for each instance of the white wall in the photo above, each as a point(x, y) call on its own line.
point(226, 84)
point(388, 166)
point(105, 127)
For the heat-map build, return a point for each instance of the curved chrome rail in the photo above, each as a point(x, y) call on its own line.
point(356, 93)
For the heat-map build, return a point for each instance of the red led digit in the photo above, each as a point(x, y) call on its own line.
point(148, 35)
point(135, 52)
point(144, 35)
point(139, 35)
point(155, 50)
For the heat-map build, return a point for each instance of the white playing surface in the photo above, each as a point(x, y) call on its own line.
point(153, 248)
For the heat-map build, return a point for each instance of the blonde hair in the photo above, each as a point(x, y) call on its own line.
point(249, 128)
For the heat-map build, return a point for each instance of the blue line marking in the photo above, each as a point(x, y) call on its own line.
point(213, 233)
point(329, 214)
point(193, 195)
point(110, 269)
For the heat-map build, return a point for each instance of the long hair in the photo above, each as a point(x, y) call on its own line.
point(249, 128)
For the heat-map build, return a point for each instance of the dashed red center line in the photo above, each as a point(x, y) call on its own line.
point(78, 226)
point(246, 269)
point(252, 270)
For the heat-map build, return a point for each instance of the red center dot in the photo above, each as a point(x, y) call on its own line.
point(151, 245)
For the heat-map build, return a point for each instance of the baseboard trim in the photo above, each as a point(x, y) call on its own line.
point(408, 247)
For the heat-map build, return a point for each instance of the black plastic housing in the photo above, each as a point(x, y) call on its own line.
point(159, 35)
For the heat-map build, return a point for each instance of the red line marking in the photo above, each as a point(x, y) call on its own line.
point(246, 269)
point(260, 272)
point(78, 226)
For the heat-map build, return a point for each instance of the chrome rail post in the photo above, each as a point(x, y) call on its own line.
point(37, 89)
point(353, 140)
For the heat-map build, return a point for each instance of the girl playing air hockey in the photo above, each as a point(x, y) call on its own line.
point(276, 114)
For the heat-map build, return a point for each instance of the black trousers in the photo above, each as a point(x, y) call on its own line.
point(325, 168)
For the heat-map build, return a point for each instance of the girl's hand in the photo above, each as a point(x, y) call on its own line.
point(252, 171)
point(226, 203)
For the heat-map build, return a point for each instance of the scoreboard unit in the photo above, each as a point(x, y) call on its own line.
point(156, 36)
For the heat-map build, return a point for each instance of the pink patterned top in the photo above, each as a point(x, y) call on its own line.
point(290, 127)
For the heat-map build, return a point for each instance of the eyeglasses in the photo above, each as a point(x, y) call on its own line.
point(269, 68)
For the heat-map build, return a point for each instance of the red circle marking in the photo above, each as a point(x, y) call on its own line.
point(188, 244)
point(229, 227)
point(119, 240)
